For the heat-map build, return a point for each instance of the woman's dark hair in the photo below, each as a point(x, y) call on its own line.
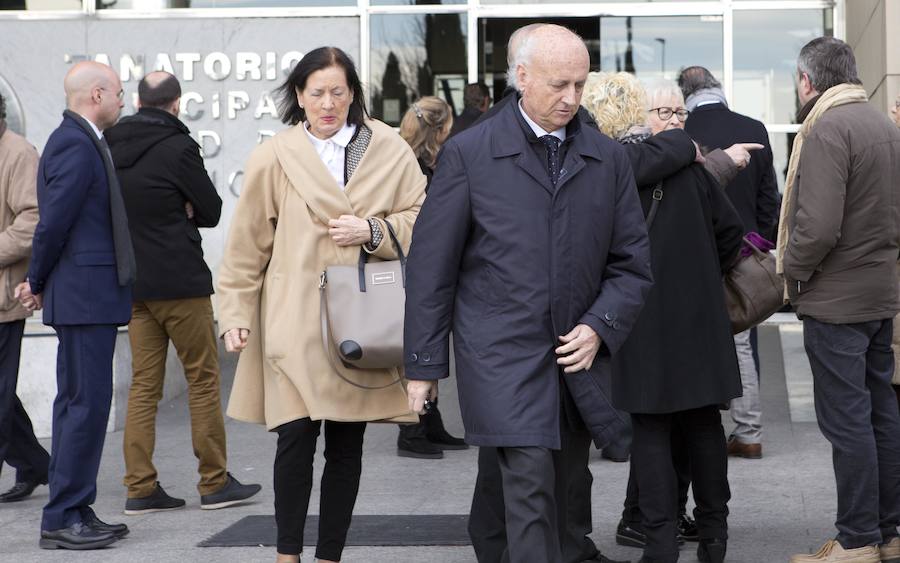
point(318, 59)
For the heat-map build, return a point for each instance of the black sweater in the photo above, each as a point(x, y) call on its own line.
point(160, 169)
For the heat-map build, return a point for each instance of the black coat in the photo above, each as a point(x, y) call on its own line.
point(160, 169)
point(754, 191)
point(464, 120)
point(509, 263)
point(680, 354)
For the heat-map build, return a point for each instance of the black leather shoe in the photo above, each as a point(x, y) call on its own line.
point(411, 442)
point(21, 491)
point(616, 454)
point(438, 435)
point(234, 492)
point(157, 501)
point(78, 536)
point(89, 519)
point(712, 550)
point(600, 558)
point(630, 535)
point(687, 528)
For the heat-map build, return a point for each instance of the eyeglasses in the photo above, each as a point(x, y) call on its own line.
point(666, 113)
point(120, 94)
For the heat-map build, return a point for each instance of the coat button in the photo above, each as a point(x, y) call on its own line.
point(609, 316)
point(414, 357)
point(426, 358)
point(615, 325)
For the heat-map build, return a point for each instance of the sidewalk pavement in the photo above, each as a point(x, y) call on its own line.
point(782, 504)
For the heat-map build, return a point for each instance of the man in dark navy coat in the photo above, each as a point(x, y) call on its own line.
point(81, 272)
point(531, 247)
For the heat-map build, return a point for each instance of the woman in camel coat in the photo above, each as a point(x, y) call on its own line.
point(312, 195)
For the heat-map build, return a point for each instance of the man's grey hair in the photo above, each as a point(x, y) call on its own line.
point(695, 78)
point(827, 62)
point(2, 107)
point(515, 53)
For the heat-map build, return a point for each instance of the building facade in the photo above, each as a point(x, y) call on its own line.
point(230, 54)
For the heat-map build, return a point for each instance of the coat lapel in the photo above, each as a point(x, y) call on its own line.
point(309, 176)
point(507, 139)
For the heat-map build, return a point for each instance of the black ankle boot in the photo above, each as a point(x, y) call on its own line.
point(411, 442)
point(438, 435)
point(712, 550)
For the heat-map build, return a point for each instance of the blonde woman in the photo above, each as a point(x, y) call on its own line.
point(425, 126)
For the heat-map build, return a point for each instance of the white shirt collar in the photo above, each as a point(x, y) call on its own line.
point(708, 102)
point(538, 130)
point(342, 138)
point(94, 127)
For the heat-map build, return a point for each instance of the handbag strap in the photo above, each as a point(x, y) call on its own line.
point(364, 258)
point(326, 341)
point(654, 205)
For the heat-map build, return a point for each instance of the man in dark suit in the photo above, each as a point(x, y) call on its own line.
point(543, 273)
point(754, 194)
point(168, 195)
point(476, 101)
point(81, 272)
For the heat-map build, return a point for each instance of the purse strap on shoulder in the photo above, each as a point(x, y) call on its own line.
point(654, 205)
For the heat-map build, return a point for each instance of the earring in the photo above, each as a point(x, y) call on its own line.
point(301, 106)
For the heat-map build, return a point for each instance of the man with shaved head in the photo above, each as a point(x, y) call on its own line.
point(81, 272)
point(168, 195)
point(531, 247)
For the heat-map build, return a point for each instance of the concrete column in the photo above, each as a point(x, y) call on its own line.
point(873, 31)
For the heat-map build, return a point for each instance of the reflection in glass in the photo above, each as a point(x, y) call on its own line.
point(413, 2)
point(151, 5)
point(766, 45)
point(416, 55)
point(781, 153)
point(494, 33)
point(39, 5)
point(660, 46)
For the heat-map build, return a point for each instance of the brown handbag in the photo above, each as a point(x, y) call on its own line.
point(362, 310)
point(753, 291)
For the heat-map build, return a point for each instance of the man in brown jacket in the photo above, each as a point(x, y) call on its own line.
point(18, 217)
point(838, 248)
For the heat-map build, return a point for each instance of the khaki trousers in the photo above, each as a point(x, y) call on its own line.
point(188, 323)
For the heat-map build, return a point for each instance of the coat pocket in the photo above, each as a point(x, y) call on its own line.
point(276, 332)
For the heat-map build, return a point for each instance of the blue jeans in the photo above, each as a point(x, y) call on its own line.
point(852, 366)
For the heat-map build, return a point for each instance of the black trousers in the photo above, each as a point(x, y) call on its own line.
point(570, 512)
point(293, 483)
point(682, 462)
point(18, 445)
point(655, 473)
point(852, 366)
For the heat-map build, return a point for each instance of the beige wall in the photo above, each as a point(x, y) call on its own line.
point(873, 30)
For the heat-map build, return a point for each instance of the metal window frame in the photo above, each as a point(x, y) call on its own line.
point(475, 10)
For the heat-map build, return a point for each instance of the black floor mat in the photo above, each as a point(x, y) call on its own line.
point(366, 529)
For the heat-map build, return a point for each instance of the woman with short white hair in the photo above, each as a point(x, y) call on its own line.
point(678, 364)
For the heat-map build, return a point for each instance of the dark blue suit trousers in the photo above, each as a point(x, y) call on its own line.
point(80, 412)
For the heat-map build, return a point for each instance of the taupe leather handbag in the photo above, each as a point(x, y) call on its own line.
point(753, 291)
point(362, 310)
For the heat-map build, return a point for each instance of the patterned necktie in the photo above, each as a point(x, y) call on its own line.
point(552, 144)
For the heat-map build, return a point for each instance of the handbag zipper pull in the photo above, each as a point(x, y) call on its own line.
point(323, 279)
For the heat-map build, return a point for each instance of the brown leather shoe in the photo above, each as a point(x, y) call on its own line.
point(740, 449)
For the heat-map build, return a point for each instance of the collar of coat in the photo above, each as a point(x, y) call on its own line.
point(509, 137)
point(310, 178)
